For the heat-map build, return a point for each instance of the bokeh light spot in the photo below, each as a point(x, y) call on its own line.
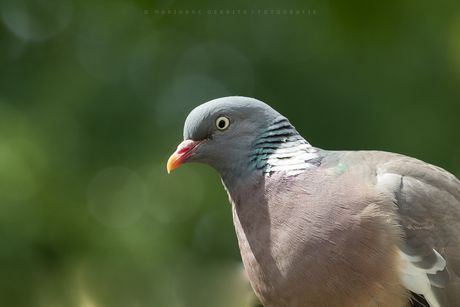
point(152, 65)
point(22, 160)
point(204, 285)
point(117, 197)
point(33, 20)
point(175, 197)
point(105, 46)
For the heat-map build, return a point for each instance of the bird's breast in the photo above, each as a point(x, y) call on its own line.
point(317, 243)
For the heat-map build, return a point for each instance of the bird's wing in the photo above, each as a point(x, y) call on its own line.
point(428, 207)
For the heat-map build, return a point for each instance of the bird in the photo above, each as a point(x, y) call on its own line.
point(328, 228)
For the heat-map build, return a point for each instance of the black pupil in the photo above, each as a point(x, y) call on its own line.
point(221, 123)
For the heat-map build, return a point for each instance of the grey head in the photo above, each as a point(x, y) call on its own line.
point(235, 136)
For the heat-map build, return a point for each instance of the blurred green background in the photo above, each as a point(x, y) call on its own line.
point(93, 96)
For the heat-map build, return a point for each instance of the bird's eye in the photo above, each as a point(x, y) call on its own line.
point(222, 123)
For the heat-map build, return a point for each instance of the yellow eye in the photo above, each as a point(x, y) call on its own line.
point(222, 123)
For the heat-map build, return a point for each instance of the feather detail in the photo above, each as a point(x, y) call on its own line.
point(281, 148)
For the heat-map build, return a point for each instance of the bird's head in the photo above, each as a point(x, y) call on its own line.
point(221, 133)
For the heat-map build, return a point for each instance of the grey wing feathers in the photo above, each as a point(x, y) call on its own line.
point(428, 207)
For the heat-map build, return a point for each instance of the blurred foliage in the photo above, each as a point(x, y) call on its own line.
point(93, 95)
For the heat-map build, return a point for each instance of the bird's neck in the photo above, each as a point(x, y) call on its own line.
point(281, 148)
point(278, 148)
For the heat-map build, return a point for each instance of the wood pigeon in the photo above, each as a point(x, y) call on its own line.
point(328, 228)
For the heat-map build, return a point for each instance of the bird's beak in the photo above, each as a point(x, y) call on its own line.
point(184, 151)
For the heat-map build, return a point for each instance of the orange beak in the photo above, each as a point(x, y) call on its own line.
point(184, 151)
